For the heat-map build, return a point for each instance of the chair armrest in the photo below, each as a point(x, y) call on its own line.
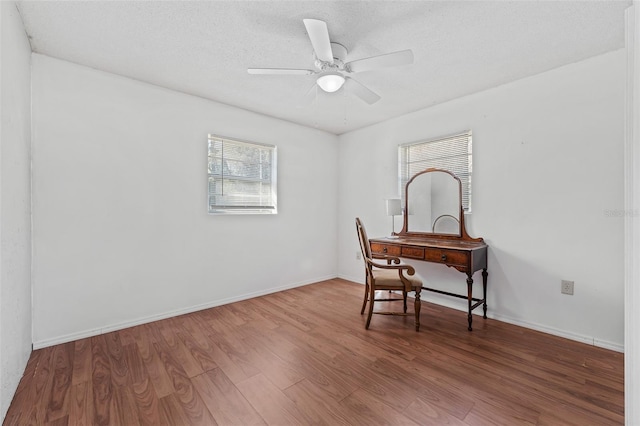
point(388, 258)
point(399, 266)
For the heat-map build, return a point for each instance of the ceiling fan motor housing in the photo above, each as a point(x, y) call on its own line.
point(339, 56)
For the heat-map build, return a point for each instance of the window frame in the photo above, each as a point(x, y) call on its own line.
point(405, 171)
point(270, 207)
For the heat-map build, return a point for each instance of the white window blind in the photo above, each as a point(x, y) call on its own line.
point(242, 177)
point(452, 153)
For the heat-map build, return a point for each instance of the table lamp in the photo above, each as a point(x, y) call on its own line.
point(394, 208)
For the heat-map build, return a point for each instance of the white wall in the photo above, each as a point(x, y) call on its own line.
point(547, 190)
point(15, 202)
point(121, 230)
point(632, 216)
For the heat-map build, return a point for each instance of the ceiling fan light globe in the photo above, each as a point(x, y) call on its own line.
point(330, 82)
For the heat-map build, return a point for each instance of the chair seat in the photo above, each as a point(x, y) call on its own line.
point(388, 278)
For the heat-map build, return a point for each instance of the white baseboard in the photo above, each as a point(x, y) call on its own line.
point(126, 324)
point(357, 280)
point(589, 340)
point(442, 302)
point(451, 303)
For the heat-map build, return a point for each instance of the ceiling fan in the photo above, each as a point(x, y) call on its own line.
point(332, 70)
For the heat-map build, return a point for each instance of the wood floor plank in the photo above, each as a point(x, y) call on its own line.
point(428, 390)
point(81, 403)
point(427, 414)
point(513, 381)
point(144, 338)
point(129, 335)
point(195, 326)
point(198, 352)
point(233, 316)
point(252, 315)
point(466, 377)
point(223, 399)
point(303, 356)
point(270, 402)
point(124, 410)
point(102, 389)
point(148, 404)
point(317, 371)
point(58, 405)
point(272, 366)
point(167, 332)
point(366, 409)
point(62, 421)
point(317, 405)
point(155, 369)
point(172, 412)
point(190, 401)
point(290, 316)
point(231, 355)
point(119, 368)
point(267, 319)
point(37, 399)
point(135, 364)
point(187, 360)
point(481, 414)
point(281, 316)
point(309, 342)
point(573, 416)
point(82, 361)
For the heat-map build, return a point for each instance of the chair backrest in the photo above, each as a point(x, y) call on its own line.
point(364, 240)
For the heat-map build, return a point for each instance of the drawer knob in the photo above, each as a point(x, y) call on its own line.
point(384, 249)
point(443, 257)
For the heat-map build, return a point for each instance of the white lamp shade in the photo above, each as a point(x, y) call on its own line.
point(394, 208)
point(330, 81)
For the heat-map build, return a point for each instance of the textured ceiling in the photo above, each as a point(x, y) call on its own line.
point(205, 48)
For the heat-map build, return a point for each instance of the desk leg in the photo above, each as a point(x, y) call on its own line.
point(470, 299)
point(484, 291)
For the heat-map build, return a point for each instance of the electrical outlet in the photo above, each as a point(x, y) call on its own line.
point(566, 287)
point(358, 255)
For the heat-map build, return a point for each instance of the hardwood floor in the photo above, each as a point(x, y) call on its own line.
point(302, 356)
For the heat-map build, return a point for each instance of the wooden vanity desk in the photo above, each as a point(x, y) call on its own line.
point(452, 247)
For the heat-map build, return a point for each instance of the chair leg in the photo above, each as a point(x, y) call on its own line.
point(366, 295)
point(417, 305)
point(372, 296)
point(404, 295)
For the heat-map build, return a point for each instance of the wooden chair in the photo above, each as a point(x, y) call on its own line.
point(389, 276)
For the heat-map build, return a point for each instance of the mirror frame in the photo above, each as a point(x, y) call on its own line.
point(462, 235)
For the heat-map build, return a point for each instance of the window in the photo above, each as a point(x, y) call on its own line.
point(452, 153)
point(242, 177)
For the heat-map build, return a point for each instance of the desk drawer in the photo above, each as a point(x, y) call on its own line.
point(387, 249)
point(449, 257)
point(413, 252)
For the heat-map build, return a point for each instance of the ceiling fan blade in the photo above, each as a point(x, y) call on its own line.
point(402, 57)
point(361, 91)
point(278, 71)
point(319, 36)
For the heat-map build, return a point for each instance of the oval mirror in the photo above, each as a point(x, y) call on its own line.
point(433, 203)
